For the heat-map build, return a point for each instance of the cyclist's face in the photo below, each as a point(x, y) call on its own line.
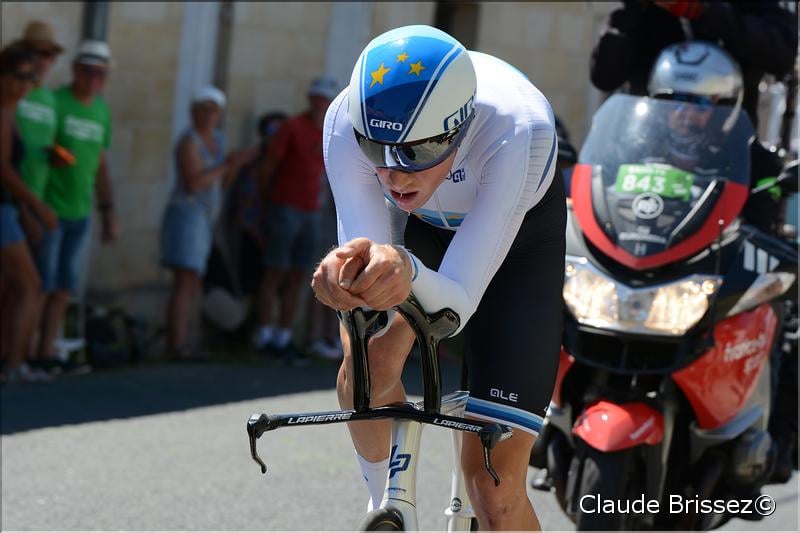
point(411, 190)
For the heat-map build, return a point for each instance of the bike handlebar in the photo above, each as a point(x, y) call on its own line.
point(363, 324)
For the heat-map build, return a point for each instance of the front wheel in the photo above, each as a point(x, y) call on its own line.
point(382, 520)
point(611, 476)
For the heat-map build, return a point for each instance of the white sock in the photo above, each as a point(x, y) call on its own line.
point(264, 335)
point(283, 337)
point(375, 476)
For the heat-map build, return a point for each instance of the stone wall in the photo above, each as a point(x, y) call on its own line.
point(277, 48)
point(551, 43)
point(140, 93)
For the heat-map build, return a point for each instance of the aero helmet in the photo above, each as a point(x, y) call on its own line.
point(698, 69)
point(411, 97)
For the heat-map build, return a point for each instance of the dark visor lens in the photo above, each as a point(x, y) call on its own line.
point(415, 156)
point(704, 102)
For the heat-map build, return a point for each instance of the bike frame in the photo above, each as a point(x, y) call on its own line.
point(407, 418)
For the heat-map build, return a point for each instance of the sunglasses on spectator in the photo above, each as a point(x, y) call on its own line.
point(206, 107)
point(45, 53)
point(94, 72)
point(415, 156)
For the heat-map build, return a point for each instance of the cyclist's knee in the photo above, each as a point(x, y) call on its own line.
point(510, 460)
point(384, 374)
point(494, 504)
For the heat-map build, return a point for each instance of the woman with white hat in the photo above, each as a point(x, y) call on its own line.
point(202, 170)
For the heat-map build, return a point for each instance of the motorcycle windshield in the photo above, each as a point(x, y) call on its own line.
point(659, 168)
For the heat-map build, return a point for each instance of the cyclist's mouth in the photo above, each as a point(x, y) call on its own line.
point(404, 197)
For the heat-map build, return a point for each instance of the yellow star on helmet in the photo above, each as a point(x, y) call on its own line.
point(402, 57)
point(416, 68)
point(377, 76)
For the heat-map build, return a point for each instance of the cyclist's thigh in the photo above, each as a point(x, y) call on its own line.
point(513, 339)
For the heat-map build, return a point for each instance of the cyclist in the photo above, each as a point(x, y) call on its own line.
point(465, 144)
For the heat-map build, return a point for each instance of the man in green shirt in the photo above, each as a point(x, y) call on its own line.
point(83, 128)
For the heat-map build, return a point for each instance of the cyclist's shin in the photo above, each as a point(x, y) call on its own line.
point(375, 476)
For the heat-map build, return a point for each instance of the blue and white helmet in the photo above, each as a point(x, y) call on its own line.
point(409, 84)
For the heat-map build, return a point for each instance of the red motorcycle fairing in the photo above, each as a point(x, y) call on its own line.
point(719, 383)
point(726, 209)
point(564, 364)
point(609, 427)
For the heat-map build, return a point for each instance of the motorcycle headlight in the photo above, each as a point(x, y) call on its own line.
point(589, 295)
point(670, 309)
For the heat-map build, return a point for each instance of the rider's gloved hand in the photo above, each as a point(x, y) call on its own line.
point(378, 274)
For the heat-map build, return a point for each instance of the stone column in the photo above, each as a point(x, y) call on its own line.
point(349, 31)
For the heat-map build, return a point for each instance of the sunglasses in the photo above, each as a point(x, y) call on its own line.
point(93, 72)
point(24, 75)
point(704, 102)
point(45, 53)
point(415, 156)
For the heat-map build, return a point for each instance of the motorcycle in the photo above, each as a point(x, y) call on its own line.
point(674, 309)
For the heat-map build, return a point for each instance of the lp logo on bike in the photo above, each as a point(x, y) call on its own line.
point(398, 463)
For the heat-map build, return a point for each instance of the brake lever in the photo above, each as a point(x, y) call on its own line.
point(490, 436)
point(256, 426)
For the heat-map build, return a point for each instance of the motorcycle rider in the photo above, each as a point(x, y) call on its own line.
point(760, 36)
point(702, 76)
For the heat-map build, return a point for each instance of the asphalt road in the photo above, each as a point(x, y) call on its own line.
point(163, 447)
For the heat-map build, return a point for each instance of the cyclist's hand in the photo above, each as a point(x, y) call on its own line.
point(325, 282)
point(385, 281)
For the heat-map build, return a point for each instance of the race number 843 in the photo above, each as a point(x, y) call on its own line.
point(664, 180)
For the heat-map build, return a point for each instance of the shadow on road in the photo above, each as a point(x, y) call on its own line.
point(153, 388)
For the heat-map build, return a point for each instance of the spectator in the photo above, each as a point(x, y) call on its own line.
point(248, 207)
point(192, 210)
point(292, 173)
point(323, 324)
point(36, 119)
point(19, 281)
point(83, 129)
point(36, 115)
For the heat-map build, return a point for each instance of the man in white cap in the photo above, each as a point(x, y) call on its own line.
point(291, 177)
point(83, 129)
